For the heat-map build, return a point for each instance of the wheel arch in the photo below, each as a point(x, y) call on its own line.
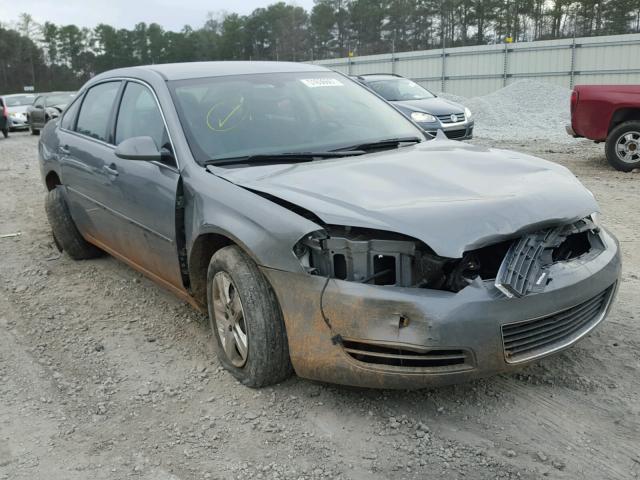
point(623, 115)
point(52, 180)
point(205, 245)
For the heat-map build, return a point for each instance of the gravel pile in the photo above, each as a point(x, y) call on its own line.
point(523, 111)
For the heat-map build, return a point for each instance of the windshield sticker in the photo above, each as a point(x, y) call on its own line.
point(321, 82)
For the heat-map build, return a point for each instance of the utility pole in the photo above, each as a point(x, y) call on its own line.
point(393, 52)
point(573, 53)
point(443, 36)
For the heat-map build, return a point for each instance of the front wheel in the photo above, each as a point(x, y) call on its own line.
point(623, 146)
point(244, 314)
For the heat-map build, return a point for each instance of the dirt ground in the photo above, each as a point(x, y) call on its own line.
point(103, 375)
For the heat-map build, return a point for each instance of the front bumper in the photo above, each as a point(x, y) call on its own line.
point(413, 319)
point(571, 131)
point(456, 131)
point(18, 123)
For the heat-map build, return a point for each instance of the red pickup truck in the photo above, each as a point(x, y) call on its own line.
point(611, 114)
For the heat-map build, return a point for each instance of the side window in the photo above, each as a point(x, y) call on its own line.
point(139, 116)
point(70, 114)
point(95, 112)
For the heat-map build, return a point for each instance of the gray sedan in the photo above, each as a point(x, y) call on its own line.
point(320, 230)
point(45, 107)
point(431, 112)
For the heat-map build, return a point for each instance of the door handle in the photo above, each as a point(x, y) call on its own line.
point(111, 170)
point(64, 149)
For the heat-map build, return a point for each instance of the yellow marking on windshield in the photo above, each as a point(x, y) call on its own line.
point(223, 121)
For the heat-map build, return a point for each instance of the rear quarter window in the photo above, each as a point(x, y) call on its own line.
point(70, 115)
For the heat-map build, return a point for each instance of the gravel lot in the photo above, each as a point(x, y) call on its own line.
point(104, 375)
point(526, 109)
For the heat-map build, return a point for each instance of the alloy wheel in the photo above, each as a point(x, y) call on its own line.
point(628, 147)
point(229, 318)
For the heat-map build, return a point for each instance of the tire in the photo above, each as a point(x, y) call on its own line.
point(34, 131)
point(266, 359)
point(623, 146)
point(65, 233)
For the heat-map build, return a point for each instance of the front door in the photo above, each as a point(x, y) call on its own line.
point(36, 117)
point(143, 194)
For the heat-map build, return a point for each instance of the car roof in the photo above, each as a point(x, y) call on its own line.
point(26, 94)
point(189, 70)
point(47, 94)
point(368, 77)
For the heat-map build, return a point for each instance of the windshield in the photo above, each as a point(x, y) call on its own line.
point(243, 115)
point(60, 99)
point(19, 100)
point(398, 89)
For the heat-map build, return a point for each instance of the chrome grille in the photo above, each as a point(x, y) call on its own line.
point(533, 338)
point(447, 118)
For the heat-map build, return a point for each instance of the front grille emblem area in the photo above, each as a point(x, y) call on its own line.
point(524, 269)
point(454, 118)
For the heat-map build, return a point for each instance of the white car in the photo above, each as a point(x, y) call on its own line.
point(17, 105)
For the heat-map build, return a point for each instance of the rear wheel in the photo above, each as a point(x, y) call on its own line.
point(246, 320)
point(623, 146)
point(65, 233)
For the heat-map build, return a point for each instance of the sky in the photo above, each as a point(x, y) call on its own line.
point(170, 14)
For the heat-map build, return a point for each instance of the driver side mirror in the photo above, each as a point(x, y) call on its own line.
point(138, 148)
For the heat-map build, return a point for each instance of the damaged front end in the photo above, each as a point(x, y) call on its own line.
point(382, 309)
point(518, 266)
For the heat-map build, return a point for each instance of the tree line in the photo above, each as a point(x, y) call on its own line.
point(58, 57)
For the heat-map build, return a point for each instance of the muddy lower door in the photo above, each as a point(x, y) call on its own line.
point(142, 197)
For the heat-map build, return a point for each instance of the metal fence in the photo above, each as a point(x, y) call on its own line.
point(478, 70)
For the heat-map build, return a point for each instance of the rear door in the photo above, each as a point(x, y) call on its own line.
point(85, 150)
point(36, 117)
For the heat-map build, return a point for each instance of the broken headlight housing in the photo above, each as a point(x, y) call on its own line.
point(384, 258)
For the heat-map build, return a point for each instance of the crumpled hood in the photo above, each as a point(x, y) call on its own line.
point(434, 106)
point(453, 196)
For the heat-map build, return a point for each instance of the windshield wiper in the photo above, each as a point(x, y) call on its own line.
point(381, 144)
point(286, 157)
